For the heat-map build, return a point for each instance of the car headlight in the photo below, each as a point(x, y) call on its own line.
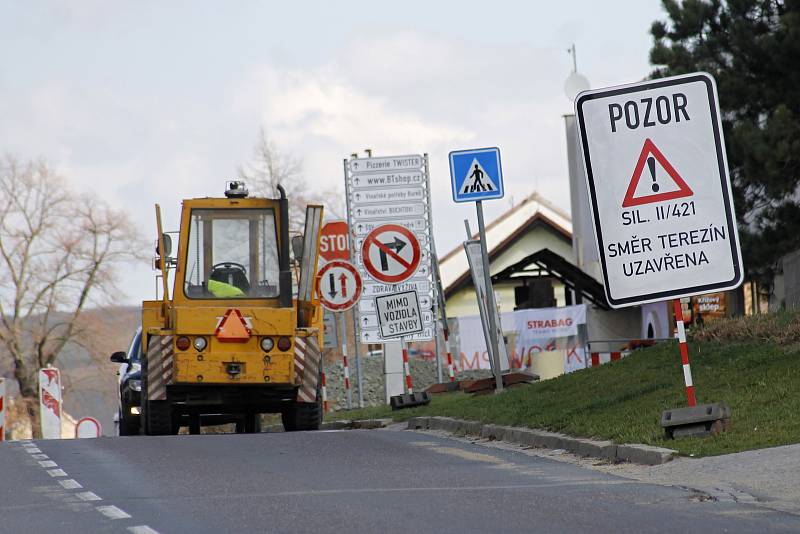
point(200, 343)
point(267, 343)
point(135, 385)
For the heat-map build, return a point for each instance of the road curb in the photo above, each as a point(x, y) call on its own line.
point(355, 424)
point(606, 450)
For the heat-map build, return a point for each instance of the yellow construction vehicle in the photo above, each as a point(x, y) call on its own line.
point(233, 340)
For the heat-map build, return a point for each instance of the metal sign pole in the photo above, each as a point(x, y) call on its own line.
point(346, 380)
point(437, 283)
point(356, 326)
point(490, 304)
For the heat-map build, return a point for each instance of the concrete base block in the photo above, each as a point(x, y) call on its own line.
point(702, 420)
point(644, 454)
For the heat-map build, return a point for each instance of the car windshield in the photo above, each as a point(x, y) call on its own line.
point(232, 253)
point(133, 349)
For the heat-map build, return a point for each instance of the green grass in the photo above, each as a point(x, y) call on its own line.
point(623, 401)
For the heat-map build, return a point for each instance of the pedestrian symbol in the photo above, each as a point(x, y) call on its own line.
point(662, 181)
point(476, 174)
point(477, 180)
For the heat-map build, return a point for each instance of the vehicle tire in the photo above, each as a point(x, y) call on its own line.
point(304, 415)
point(252, 423)
point(158, 418)
point(128, 425)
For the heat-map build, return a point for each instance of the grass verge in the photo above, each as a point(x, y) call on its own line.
point(623, 400)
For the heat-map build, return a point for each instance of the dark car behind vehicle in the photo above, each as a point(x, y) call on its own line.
point(130, 386)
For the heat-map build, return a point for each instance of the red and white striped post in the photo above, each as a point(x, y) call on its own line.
point(324, 393)
point(687, 370)
point(347, 383)
point(407, 371)
point(450, 370)
point(2, 409)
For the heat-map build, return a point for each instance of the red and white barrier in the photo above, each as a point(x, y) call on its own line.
point(407, 371)
point(684, 348)
point(50, 402)
point(2, 409)
point(599, 358)
point(450, 367)
point(324, 393)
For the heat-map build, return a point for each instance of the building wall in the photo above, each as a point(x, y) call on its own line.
point(605, 325)
point(463, 302)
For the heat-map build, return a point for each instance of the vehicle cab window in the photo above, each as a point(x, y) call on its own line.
point(232, 254)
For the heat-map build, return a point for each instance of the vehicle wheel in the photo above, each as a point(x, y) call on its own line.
point(252, 423)
point(129, 425)
point(158, 418)
point(304, 415)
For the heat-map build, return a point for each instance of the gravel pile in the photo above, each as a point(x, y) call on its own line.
point(423, 373)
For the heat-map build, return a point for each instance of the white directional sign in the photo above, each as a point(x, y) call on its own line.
point(390, 192)
point(399, 314)
point(660, 191)
point(338, 285)
point(383, 165)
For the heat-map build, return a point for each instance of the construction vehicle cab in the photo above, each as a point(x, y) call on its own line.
point(230, 340)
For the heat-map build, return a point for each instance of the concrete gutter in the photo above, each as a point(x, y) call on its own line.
point(606, 450)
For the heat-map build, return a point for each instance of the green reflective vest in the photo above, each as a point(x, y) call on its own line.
point(223, 290)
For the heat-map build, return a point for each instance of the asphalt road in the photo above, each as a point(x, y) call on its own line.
point(337, 481)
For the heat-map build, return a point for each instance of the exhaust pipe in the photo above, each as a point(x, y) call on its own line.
point(285, 276)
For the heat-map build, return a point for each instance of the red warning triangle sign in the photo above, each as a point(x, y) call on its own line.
point(649, 155)
point(232, 327)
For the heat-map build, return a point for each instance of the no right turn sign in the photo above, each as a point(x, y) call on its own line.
point(659, 188)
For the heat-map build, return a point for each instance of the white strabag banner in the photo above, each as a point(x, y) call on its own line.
point(50, 402)
point(526, 333)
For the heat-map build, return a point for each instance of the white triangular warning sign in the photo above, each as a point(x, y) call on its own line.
point(477, 180)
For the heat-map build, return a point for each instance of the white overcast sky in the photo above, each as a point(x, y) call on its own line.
point(146, 101)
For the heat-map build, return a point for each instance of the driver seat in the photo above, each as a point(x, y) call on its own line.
point(231, 274)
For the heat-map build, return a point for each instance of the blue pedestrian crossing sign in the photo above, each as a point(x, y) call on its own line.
point(476, 174)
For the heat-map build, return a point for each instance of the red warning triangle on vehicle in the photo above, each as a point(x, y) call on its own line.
point(232, 327)
point(649, 155)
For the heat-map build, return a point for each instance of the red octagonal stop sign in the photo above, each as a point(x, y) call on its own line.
point(333, 241)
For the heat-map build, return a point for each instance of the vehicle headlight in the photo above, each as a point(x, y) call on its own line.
point(267, 343)
point(135, 385)
point(200, 343)
point(135, 367)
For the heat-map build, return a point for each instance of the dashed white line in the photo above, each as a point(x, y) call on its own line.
point(56, 472)
point(112, 512)
point(88, 496)
point(40, 457)
point(33, 449)
point(142, 529)
point(70, 483)
point(48, 463)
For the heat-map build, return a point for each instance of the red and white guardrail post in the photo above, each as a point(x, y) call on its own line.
point(450, 370)
point(407, 371)
point(2, 409)
point(684, 348)
point(324, 393)
point(347, 383)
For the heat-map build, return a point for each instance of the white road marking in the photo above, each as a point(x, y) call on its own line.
point(112, 512)
point(56, 473)
point(88, 496)
point(40, 457)
point(142, 529)
point(33, 449)
point(48, 463)
point(70, 483)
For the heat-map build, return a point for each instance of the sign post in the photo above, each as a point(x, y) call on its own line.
point(476, 175)
point(660, 193)
point(339, 287)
